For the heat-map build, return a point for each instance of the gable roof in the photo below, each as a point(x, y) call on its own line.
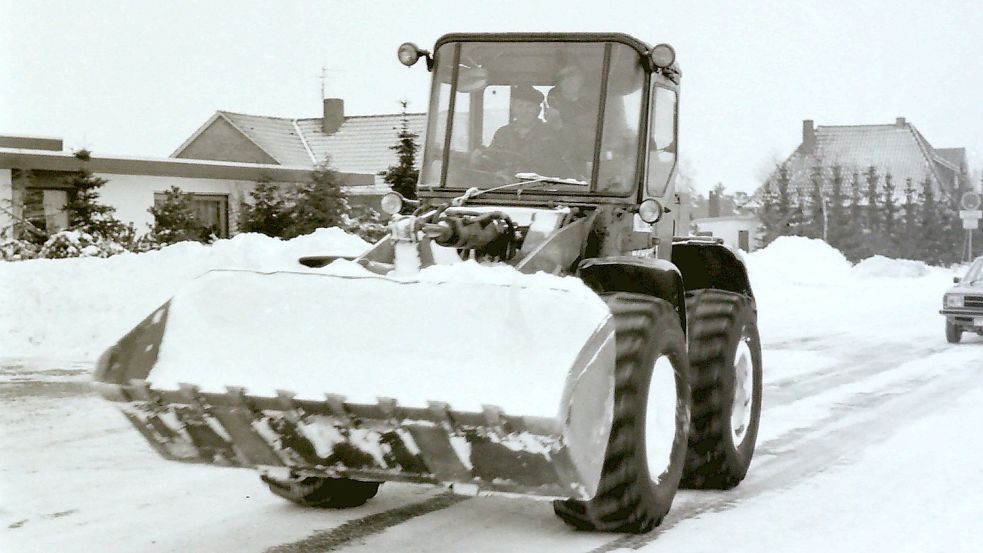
point(898, 149)
point(361, 145)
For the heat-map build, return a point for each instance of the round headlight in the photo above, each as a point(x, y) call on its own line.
point(662, 55)
point(650, 211)
point(408, 53)
point(391, 203)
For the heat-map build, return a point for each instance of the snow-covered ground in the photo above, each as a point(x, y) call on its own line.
point(869, 440)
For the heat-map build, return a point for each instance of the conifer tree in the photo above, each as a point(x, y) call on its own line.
point(85, 212)
point(797, 220)
point(872, 218)
point(817, 227)
point(910, 242)
point(319, 203)
point(403, 176)
point(176, 220)
point(844, 233)
point(931, 243)
point(778, 221)
point(889, 231)
point(268, 213)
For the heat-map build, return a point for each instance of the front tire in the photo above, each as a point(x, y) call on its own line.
point(646, 449)
point(725, 365)
point(326, 493)
point(953, 334)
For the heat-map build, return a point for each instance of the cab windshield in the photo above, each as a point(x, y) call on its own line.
point(568, 112)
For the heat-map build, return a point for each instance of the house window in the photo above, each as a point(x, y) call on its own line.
point(211, 209)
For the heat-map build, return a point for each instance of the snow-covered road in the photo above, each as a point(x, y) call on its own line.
point(869, 441)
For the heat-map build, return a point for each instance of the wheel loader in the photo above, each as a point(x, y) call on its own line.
point(531, 325)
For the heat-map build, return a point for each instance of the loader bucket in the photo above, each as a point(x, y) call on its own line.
point(501, 384)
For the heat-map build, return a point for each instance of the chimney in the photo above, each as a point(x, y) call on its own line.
point(334, 115)
point(899, 121)
point(713, 205)
point(808, 136)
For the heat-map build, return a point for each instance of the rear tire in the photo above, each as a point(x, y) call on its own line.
point(326, 493)
point(724, 353)
point(953, 333)
point(649, 336)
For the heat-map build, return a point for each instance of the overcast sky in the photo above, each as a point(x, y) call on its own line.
point(138, 78)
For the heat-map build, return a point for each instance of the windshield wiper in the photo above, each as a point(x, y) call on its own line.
point(536, 177)
point(529, 180)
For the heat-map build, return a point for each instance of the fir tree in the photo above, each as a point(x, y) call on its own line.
point(319, 203)
point(844, 233)
point(268, 213)
point(910, 242)
point(817, 227)
point(403, 176)
point(872, 218)
point(85, 213)
point(797, 221)
point(176, 220)
point(889, 230)
point(775, 209)
point(931, 243)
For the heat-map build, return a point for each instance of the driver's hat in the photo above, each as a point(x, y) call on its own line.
point(527, 93)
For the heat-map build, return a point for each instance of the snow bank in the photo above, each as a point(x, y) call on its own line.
point(799, 260)
point(885, 267)
point(75, 308)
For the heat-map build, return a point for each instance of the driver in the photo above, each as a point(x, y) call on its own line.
point(526, 144)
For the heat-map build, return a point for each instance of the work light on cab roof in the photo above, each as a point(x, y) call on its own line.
point(662, 55)
point(409, 54)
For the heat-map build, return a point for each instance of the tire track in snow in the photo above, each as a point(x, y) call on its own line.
point(354, 530)
point(849, 428)
point(782, 461)
point(868, 362)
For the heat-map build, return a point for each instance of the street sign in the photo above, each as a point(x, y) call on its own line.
point(971, 201)
point(971, 214)
point(971, 224)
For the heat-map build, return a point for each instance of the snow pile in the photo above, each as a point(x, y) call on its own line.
point(76, 308)
point(798, 260)
point(802, 283)
point(885, 267)
point(317, 333)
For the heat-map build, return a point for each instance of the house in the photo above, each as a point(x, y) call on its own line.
point(352, 144)
point(33, 174)
point(898, 149)
point(739, 231)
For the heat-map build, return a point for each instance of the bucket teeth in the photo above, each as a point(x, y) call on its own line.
point(338, 439)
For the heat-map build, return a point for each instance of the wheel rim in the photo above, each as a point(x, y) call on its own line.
point(740, 413)
point(660, 417)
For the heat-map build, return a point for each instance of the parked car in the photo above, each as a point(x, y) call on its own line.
point(962, 304)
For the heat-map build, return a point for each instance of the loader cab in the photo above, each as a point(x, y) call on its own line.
point(591, 112)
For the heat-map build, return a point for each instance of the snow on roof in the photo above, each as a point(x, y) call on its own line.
point(277, 136)
point(361, 145)
point(898, 149)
